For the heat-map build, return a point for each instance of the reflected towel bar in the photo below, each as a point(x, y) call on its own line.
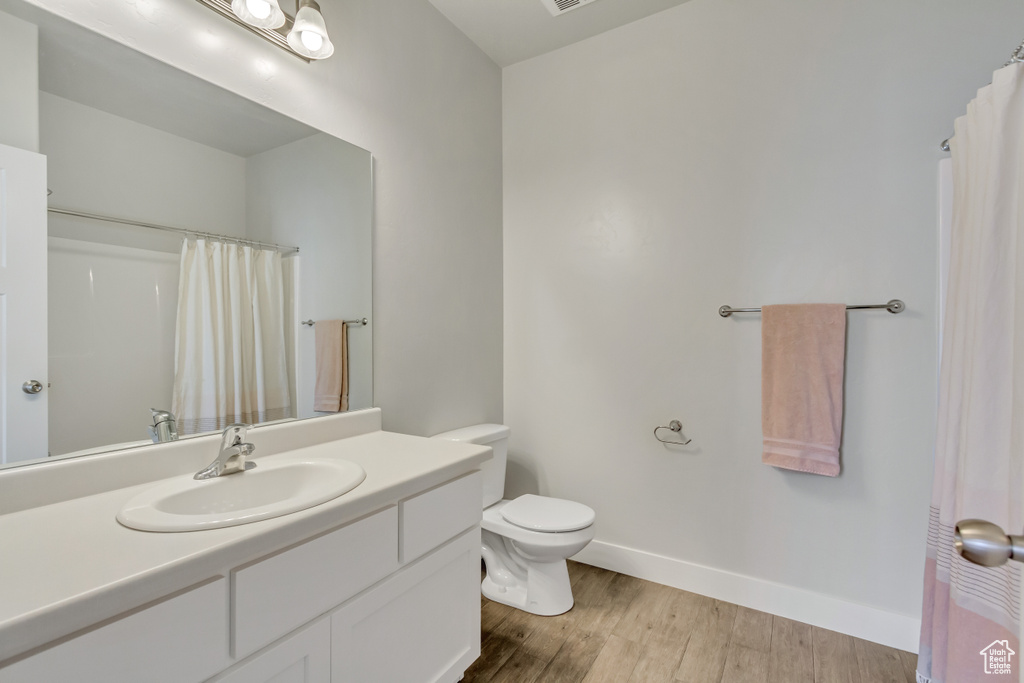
point(894, 306)
point(362, 323)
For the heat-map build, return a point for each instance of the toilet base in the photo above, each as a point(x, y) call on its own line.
point(546, 591)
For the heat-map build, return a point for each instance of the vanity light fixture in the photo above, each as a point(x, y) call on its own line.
point(259, 13)
point(308, 36)
point(304, 35)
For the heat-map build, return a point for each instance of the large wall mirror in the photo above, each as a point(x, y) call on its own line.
point(216, 319)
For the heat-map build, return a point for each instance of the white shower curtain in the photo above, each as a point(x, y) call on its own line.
point(230, 360)
point(980, 446)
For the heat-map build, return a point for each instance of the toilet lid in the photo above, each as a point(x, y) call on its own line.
point(547, 514)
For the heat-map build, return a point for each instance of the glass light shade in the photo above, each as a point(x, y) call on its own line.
point(259, 13)
point(308, 36)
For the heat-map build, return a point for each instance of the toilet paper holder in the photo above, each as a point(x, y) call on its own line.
point(674, 426)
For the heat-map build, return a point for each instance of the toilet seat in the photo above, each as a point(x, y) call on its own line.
point(549, 515)
point(494, 522)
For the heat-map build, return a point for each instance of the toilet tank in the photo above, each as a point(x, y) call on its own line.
point(495, 436)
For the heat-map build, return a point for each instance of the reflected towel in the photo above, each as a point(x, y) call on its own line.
point(331, 392)
point(803, 350)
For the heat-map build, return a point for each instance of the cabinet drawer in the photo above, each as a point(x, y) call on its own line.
point(431, 518)
point(284, 591)
point(184, 638)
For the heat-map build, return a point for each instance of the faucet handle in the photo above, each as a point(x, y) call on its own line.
point(232, 456)
point(160, 415)
point(234, 434)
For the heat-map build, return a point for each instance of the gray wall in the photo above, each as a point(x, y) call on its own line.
point(406, 85)
point(19, 83)
point(316, 194)
point(729, 152)
point(105, 164)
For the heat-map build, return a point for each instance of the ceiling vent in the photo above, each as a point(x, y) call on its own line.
point(557, 7)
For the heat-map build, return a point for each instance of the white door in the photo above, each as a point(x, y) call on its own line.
point(23, 320)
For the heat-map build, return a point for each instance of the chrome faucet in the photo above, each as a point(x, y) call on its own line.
point(164, 427)
point(233, 451)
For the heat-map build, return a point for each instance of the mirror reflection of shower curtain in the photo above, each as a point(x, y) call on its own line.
point(230, 360)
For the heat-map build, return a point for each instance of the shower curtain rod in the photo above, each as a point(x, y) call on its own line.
point(181, 231)
point(1017, 56)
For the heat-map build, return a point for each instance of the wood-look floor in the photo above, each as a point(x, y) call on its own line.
point(626, 630)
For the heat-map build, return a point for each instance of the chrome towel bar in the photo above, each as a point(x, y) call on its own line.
point(362, 323)
point(894, 306)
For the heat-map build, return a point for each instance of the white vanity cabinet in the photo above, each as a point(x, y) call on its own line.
point(392, 596)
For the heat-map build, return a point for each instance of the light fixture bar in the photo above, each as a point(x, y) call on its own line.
point(278, 36)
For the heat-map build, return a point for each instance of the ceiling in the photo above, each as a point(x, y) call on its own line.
point(511, 31)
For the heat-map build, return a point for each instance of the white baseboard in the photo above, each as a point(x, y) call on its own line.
point(861, 621)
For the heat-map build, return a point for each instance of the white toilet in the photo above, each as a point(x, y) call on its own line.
point(527, 540)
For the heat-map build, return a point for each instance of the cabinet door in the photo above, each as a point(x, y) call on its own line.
point(422, 624)
point(302, 657)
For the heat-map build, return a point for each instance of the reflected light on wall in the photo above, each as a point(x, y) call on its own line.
point(209, 40)
point(304, 35)
point(147, 9)
point(265, 69)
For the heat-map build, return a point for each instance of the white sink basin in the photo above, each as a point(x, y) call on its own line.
point(269, 490)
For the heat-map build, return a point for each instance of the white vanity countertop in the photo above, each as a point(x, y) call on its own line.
point(70, 564)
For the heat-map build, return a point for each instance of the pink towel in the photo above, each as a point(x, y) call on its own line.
point(331, 392)
point(803, 349)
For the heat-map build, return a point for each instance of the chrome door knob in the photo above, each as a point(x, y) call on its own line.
point(986, 544)
point(32, 387)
